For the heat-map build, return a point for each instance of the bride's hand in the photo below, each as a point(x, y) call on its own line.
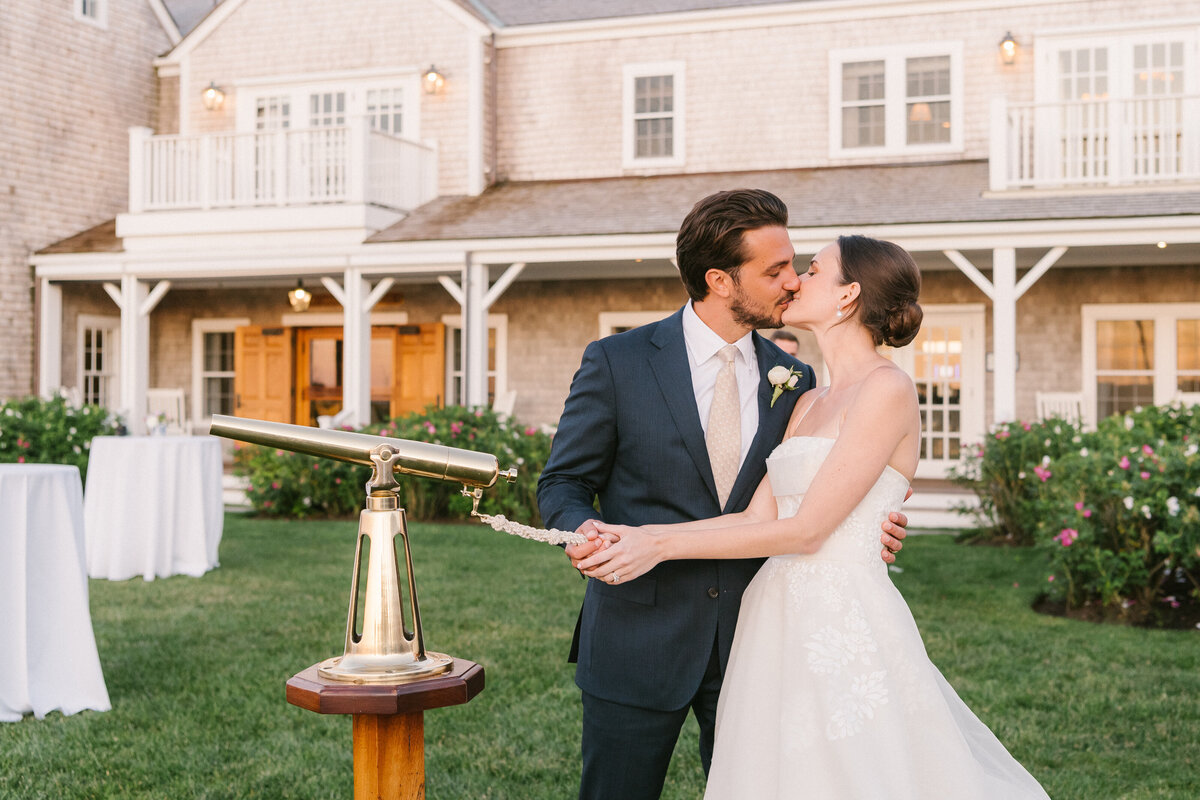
point(631, 553)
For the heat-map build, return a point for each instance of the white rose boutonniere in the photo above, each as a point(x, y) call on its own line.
point(783, 379)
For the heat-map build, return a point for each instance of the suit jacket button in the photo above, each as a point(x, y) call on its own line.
point(713, 592)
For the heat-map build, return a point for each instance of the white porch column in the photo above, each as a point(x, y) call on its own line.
point(357, 299)
point(475, 285)
point(475, 298)
point(136, 302)
point(1004, 334)
point(49, 337)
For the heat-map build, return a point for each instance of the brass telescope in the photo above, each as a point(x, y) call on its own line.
point(385, 649)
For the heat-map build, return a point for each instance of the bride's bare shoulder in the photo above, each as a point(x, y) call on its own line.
point(888, 383)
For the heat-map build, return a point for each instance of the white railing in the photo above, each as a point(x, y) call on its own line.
point(1108, 142)
point(338, 164)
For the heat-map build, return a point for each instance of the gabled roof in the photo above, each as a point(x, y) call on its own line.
point(533, 12)
point(845, 197)
point(188, 13)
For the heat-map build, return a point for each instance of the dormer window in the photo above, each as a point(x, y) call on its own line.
point(94, 12)
point(653, 116)
point(903, 100)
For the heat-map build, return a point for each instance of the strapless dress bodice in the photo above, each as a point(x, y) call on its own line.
point(791, 468)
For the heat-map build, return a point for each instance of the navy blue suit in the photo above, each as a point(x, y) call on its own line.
point(630, 435)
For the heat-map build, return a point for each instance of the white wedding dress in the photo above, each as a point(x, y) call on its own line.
point(829, 694)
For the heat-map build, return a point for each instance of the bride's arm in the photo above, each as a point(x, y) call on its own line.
point(882, 418)
point(762, 507)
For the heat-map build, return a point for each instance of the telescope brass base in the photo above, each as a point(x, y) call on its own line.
point(377, 669)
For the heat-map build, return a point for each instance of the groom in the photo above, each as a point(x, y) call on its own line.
point(667, 423)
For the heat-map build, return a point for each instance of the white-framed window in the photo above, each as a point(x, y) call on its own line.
point(897, 100)
point(1138, 354)
point(94, 12)
point(653, 118)
point(212, 366)
point(1116, 106)
point(620, 321)
point(98, 355)
point(386, 102)
point(497, 367)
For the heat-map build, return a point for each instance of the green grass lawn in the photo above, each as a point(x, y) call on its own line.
point(196, 670)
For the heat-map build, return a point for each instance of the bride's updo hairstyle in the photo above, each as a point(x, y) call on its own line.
point(889, 283)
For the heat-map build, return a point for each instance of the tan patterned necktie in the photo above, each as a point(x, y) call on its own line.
point(724, 436)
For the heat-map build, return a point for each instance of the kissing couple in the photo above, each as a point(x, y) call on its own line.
point(806, 672)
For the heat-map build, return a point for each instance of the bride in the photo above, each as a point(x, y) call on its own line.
point(829, 693)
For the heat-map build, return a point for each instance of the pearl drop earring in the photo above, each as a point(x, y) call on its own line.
point(839, 312)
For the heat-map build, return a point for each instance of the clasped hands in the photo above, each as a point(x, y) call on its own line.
point(620, 553)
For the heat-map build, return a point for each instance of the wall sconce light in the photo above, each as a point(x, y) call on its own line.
point(1008, 49)
point(433, 80)
point(299, 297)
point(212, 96)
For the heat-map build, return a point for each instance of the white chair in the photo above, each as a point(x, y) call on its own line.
point(504, 403)
point(169, 404)
point(1188, 398)
point(337, 420)
point(1061, 405)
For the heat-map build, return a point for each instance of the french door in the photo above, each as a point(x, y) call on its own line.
point(946, 362)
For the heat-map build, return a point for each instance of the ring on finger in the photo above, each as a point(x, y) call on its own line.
point(615, 577)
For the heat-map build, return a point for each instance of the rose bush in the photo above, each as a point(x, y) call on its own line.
point(1116, 511)
point(288, 484)
point(37, 431)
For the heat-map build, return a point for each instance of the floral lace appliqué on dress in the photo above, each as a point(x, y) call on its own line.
point(829, 692)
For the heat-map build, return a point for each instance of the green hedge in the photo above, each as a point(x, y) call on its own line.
point(36, 431)
point(1116, 511)
point(288, 484)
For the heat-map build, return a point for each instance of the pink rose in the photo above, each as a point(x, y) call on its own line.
point(1124, 462)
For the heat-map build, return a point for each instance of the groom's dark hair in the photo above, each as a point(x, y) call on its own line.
point(711, 234)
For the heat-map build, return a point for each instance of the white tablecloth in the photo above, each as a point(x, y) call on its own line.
point(48, 656)
point(153, 506)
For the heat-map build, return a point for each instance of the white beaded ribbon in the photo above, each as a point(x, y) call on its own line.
point(552, 536)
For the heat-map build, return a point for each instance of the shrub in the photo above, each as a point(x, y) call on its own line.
point(1007, 475)
point(36, 431)
point(1121, 520)
point(288, 484)
point(1116, 511)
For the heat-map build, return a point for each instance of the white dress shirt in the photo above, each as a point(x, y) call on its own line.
point(702, 346)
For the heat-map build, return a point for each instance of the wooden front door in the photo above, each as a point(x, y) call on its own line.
point(407, 370)
point(262, 361)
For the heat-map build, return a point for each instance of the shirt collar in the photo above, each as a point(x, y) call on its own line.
point(703, 342)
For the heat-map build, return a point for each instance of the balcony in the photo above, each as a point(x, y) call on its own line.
point(348, 165)
point(1079, 144)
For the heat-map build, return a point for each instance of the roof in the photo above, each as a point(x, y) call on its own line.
point(829, 197)
point(188, 13)
point(99, 239)
point(837, 197)
point(533, 12)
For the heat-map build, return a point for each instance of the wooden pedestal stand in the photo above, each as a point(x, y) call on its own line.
point(389, 723)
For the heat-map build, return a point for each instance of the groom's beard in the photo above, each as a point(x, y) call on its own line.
point(755, 315)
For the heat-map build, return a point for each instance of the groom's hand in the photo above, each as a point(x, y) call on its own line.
point(578, 552)
point(894, 533)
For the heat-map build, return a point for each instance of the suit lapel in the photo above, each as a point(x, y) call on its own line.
point(673, 372)
point(769, 424)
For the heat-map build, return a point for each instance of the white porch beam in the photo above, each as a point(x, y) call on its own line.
point(972, 272)
point(1004, 335)
point(378, 292)
point(334, 289)
point(114, 292)
point(1039, 269)
point(49, 337)
point(453, 288)
point(502, 283)
point(156, 294)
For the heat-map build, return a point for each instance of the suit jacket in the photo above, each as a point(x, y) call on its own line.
point(631, 436)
